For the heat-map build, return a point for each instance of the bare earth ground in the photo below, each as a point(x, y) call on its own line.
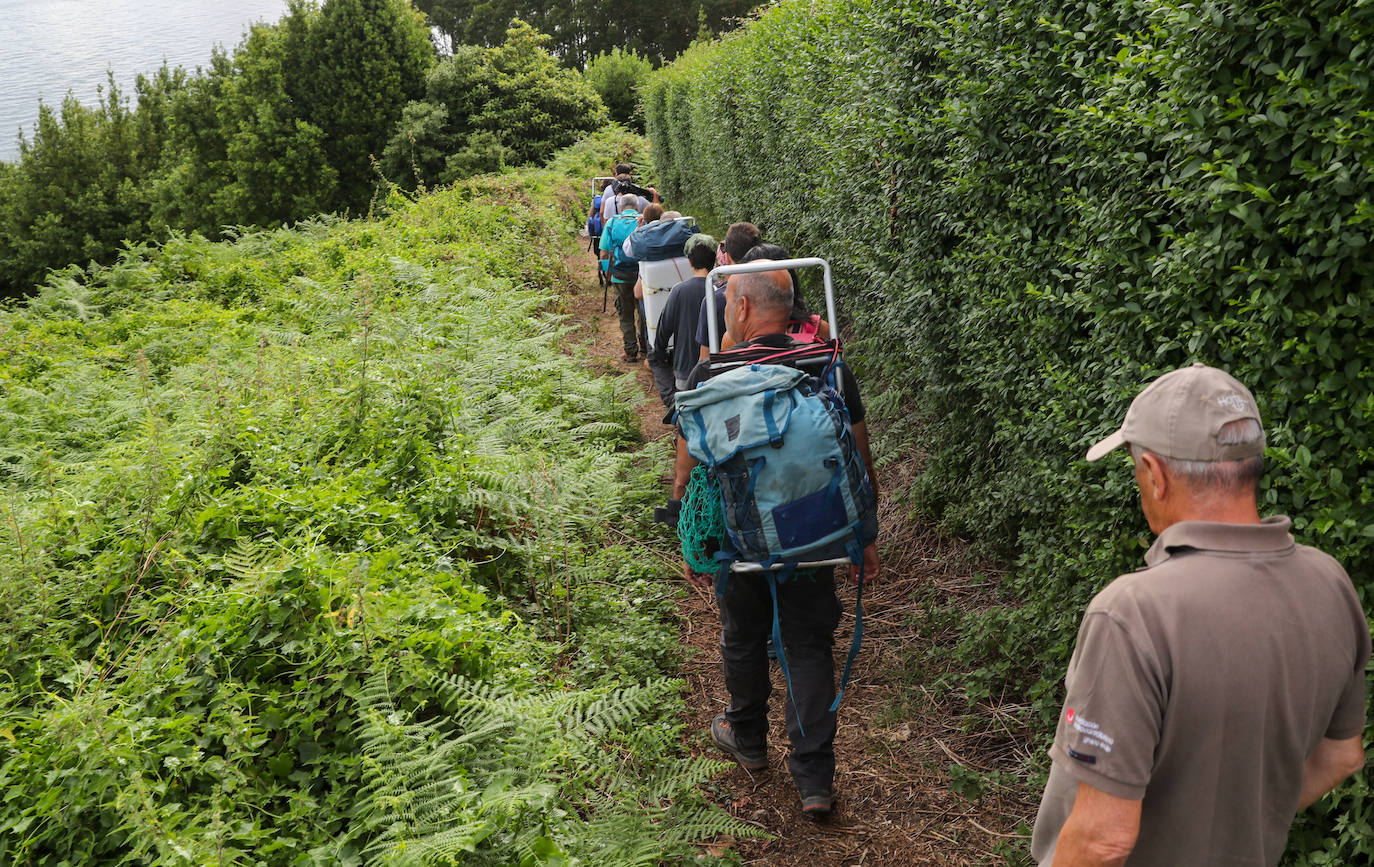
point(897, 741)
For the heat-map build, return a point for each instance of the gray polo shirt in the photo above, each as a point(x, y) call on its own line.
point(1201, 683)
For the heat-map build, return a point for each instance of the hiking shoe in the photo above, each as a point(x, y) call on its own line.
point(817, 805)
point(724, 736)
point(629, 358)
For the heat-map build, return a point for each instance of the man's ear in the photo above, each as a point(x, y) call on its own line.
point(741, 307)
point(1155, 476)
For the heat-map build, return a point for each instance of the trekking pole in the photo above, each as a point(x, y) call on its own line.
point(713, 327)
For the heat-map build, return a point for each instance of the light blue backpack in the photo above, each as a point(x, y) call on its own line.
point(793, 484)
point(792, 480)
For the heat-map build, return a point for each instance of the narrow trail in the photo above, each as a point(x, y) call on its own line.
point(896, 741)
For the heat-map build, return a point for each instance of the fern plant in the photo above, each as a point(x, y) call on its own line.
point(484, 779)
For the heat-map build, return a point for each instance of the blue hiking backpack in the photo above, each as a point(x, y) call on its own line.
point(594, 218)
point(625, 269)
point(663, 239)
point(793, 484)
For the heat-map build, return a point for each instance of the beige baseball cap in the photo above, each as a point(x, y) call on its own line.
point(1179, 415)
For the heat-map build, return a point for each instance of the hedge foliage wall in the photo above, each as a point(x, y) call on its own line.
point(1035, 208)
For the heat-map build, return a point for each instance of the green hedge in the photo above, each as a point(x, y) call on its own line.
point(1036, 207)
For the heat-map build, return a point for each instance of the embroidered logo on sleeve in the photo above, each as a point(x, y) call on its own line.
point(1090, 735)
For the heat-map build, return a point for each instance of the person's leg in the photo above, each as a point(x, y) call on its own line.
point(810, 612)
point(625, 305)
point(746, 616)
point(664, 381)
point(643, 328)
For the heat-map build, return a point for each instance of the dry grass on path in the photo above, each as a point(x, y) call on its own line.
point(897, 741)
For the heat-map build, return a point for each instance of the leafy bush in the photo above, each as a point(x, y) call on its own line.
point(298, 528)
point(485, 108)
point(1033, 209)
point(284, 129)
point(75, 193)
point(617, 76)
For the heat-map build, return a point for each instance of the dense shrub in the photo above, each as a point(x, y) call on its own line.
point(285, 128)
point(1036, 207)
point(78, 189)
point(485, 108)
point(306, 557)
point(617, 76)
point(584, 28)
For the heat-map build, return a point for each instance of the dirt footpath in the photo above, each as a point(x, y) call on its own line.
point(897, 745)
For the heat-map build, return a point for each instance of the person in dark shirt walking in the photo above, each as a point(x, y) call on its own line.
point(757, 309)
point(677, 328)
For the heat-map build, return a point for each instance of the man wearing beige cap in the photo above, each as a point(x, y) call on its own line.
point(1219, 690)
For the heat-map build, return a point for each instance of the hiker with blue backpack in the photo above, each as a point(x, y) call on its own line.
point(773, 431)
point(624, 273)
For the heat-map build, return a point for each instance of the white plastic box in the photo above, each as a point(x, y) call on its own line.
point(659, 278)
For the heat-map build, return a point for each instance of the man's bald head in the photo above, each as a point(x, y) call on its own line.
point(757, 304)
point(769, 292)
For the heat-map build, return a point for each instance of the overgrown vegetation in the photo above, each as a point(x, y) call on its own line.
point(300, 120)
point(582, 29)
point(617, 76)
point(1036, 207)
point(307, 561)
point(486, 108)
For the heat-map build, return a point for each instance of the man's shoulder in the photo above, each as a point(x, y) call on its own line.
point(690, 284)
point(1189, 574)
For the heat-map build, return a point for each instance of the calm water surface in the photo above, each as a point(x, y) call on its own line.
point(49, 47)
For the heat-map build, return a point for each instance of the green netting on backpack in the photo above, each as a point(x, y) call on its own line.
point(701, 524)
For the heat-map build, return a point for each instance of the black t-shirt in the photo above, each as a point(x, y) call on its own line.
point(766, 344)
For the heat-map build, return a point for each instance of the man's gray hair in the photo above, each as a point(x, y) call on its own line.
point(629, 202)
point(1230, 476)
point(766, 295)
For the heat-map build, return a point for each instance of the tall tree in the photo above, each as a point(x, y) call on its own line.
point(488, 107)
point(364, 60)
point(243, 153)
point(76, 192)
point(617, 76)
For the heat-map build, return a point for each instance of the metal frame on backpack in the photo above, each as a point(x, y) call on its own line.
point(714, 332)
point(713, 328)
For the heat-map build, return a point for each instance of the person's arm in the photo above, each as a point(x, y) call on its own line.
point(1330, 763)
point(667, 326)
point(860, 429)
point(683, 465)
point(703, 335)
point(1101, 830)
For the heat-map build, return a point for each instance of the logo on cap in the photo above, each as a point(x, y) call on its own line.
point(1234, 402)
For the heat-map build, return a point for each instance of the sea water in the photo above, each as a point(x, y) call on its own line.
point(51, 47)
